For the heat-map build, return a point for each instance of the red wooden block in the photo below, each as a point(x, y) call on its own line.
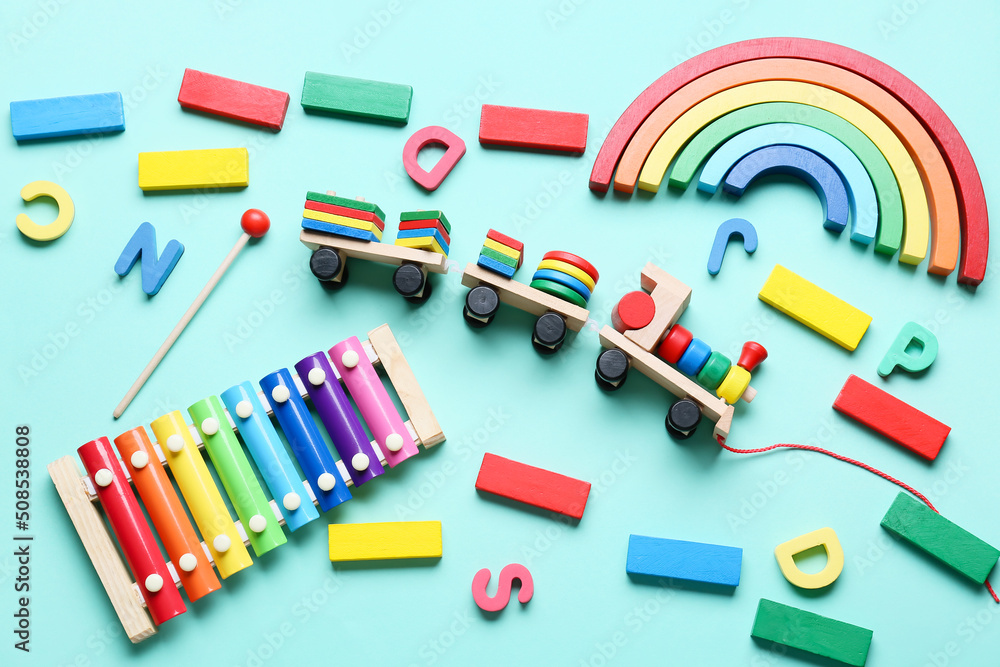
point(634, 311)
point(346, 212)
point(533, 128)
point(513, 244)
point(891, 417)
point(233, 99)
point(533, 486)
point(426, 224)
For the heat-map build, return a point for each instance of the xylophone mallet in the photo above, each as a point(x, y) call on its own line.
point(255, 223)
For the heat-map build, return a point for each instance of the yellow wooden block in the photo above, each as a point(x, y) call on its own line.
point(422, 242)
point(385, 541)
point(181, 170)
point(824, 537)
point(814, 307)
point(321, 216)
point(501, 248)
point(733, 385)
point(56, 228)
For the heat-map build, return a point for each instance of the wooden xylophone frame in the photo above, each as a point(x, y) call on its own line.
point(79, 497)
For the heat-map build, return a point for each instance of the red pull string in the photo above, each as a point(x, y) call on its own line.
point(845, 459)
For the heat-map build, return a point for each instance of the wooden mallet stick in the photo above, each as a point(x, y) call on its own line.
point(255, 223)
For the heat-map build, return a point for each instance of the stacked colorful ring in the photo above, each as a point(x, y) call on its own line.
point(566, 276)
point(712, 370)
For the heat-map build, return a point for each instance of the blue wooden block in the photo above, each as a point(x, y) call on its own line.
point(688, 561)
point(339, 230)
point(694, 358)
point(496, 267)
point(142, 248)
point(67, 116)
point(417, 233)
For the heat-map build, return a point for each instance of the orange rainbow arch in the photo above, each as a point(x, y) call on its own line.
point(937, 178)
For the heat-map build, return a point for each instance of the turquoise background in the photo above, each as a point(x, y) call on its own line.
point(489, 389)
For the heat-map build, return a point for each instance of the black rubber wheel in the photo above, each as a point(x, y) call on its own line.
point(683, 418)
point(549, 333)
point(612, 369)
point(409, 280)
point(326, 263)
point(426, 294)
point(481, 304)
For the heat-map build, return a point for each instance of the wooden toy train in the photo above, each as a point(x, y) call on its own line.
point(336, 228)
point(646, 320)
point(149, 595)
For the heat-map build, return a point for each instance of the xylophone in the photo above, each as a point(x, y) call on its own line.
point(140, 588)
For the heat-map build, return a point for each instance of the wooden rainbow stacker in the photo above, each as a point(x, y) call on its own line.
point(144, 587)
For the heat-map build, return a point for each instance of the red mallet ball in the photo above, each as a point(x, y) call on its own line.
point(634, 311)
point(255, 222)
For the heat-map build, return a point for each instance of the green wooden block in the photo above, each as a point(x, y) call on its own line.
point(346, 203)
point(924, 528)
point(426, 215)
point(811, 633)
point(499, 256)
point(376, 100)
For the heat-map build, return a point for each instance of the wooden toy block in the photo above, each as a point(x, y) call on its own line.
point(887, 415)
point(343, 212)
point(237, 477)
point(138, 545)
point(633, 311)
point(373, 401)
point(537, 487)
point(171, 522)
point(374, 226)
point(358, 98)
point(183, 170)
point(943, 134)
point(371, 235)
point(565, 280)
point(503, 239)
point(505, 585)
point(427, 232)
point(63, 220)
point(695, 356)
point(735, 385)
point(501, 267)
point(559, 290)
point(102, 551)
point(393, 540)
point(523, 297)
point(569, 269)
point(785, 554)
point(687, 561)
point(799, 162)
point(927, 530)
point(860, 189)
point(496, 246)
point(100, 113)
point(436, 225)
point(812, 633)
point(674, 343)
point(384, 253)
point(536, 129)
point(428, 243)
point(142, 247)
point(714, 371)
point(574, 260)
point(454, 150)
point(671, 297)
point(671, 379)
point(911, 185)
point(344, 202)
point(889, 205)
point(498, 257)
point(234, 99)
point(814, 307)
point(898, 357)
point(202, 496)
point(409, 216)
point(737, 227)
